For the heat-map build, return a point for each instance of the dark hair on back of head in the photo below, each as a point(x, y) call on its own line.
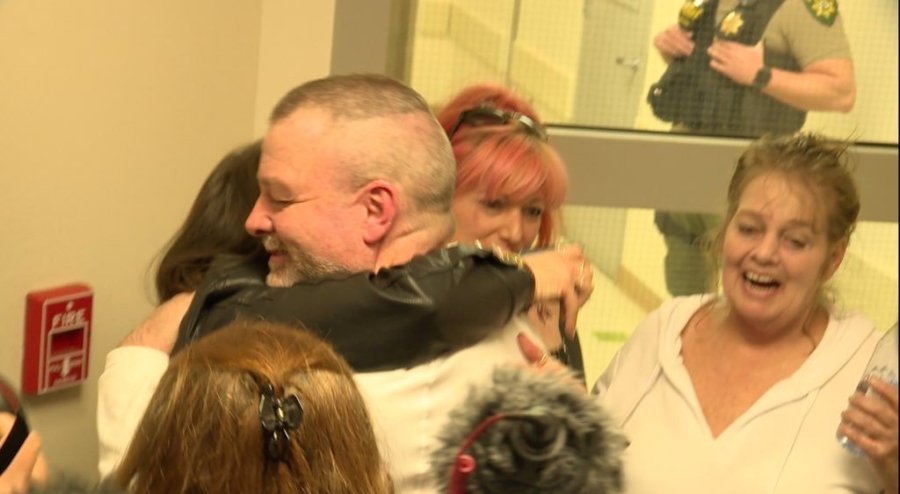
point(214, 225)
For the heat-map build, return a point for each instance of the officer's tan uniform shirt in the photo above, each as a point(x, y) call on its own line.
point(794, 30)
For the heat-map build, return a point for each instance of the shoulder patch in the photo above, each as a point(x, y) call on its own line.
point(825, 11)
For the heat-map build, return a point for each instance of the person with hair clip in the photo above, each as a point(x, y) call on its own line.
point(510, 186)
point(411, 310)
point(742, 391)
point(256, 407)
point(529, 432)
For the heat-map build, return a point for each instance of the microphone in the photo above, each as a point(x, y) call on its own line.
point(529, 433)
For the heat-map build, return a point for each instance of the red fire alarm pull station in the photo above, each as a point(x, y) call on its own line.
point(57, 338)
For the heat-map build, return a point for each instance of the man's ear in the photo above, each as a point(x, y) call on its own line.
point(833, 262)
point(379, 198)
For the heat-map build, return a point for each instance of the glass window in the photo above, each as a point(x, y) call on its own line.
point(593, 63)
point(588, 67)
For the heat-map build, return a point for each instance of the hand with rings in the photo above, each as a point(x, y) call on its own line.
point(544, 318)
point(543, 363)
point(579, 283)
point(545, 357)
point(562, 275)
point(537, 356)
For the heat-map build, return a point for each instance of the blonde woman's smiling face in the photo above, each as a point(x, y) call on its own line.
point(775, 252)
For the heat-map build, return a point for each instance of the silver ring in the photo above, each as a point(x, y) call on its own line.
point(580, 283)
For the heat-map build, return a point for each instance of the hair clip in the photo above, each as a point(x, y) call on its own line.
point(277, 416)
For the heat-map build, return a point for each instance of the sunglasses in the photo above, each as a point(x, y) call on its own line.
point(487, 115)
point(12, 443)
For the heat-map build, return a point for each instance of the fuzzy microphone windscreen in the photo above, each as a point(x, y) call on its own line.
point(529, 433)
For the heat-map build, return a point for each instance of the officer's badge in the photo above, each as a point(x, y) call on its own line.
point(690, 12)
point(731, 24)
point(825, 11)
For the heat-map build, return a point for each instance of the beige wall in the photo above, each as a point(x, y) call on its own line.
point(111, 115)
point(295, 46)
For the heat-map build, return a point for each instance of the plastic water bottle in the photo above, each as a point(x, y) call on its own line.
point(883, 365)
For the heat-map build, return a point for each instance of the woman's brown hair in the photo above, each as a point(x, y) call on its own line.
point(202, 431)
point(214, 225)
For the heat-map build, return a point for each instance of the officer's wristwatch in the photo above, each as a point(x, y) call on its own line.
point(763, 76)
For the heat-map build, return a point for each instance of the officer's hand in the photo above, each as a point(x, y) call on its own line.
point(736, 61)
point(674, 42)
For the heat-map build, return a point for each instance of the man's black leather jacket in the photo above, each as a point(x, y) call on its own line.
point(398, 317)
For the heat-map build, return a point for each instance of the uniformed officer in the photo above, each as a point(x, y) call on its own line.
point(744, 68)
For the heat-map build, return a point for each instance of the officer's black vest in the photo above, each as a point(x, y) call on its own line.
point(693, 95)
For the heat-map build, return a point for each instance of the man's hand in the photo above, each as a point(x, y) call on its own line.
point(673, 43)
point(871, 423)
point(736, 61)
point(160, 330)
point(562, 275)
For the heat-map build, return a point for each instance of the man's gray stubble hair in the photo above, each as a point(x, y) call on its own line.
point(417, 155)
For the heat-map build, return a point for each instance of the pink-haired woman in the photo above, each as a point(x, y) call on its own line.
point(510, 184)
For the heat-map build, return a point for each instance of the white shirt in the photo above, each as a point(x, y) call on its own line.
point(408, 407)
point(123, 393)
point(784, 443)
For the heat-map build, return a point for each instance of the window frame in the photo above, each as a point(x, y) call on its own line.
point(663, 167)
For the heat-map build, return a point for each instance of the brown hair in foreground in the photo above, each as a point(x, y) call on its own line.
point(202, 432)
